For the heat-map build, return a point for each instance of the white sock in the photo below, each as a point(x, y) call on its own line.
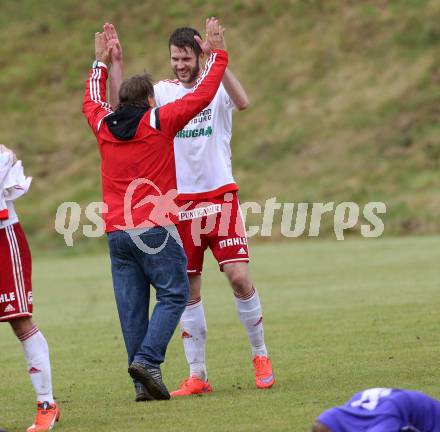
point(193, 326)
point(36, 352)
point(249, 311)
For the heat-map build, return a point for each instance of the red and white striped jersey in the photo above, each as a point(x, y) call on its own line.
point(202, 149)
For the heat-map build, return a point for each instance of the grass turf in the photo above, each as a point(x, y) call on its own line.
point(339, 317)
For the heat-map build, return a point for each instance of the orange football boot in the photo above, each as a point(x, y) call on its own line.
point(191, 386)
point(47, 415)
point(264, 377)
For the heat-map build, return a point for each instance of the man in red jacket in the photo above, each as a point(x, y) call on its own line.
point(137, 164)
point(212, 217)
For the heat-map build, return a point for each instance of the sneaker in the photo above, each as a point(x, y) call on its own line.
point(151, 378)
point(47, 415)
point(192, 385)
point(264, 377)
point(142, 394)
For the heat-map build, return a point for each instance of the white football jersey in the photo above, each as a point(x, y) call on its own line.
point(13, 184)
point(202, 149)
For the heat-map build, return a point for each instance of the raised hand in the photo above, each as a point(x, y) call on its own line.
point(113, 43)
point(102, 51)
point(203, 43)
point(215, 34)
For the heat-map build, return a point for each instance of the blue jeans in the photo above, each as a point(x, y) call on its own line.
point(133, 271)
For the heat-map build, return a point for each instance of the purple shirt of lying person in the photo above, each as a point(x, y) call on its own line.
point(383, 410)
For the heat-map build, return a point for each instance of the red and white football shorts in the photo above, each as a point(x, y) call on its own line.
point(15, 274)
point(216, 223)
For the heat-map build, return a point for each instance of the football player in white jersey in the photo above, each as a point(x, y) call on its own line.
point(208, 193)
point(16, 303)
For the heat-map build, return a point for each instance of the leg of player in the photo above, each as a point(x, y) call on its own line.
point(249, 311)
point(16, 285)
point(167, 272)
point(36, 352)
point(194, 330)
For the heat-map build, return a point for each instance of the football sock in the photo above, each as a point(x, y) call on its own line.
point(249, 311)
point(193, 327)
point(36, 352)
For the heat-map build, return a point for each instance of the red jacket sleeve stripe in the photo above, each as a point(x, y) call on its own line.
point(95, 89)
point(95, 106)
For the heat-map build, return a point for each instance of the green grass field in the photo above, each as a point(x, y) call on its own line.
point(339, 317)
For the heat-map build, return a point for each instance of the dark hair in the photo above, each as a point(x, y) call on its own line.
point(183, 37)
point(135, 91)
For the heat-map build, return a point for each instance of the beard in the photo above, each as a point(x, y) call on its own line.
point(193, 74)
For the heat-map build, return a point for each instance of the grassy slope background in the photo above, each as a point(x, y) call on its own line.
point(345, 98)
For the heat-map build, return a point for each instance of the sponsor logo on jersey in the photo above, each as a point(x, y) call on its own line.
point(203, 116)
point(7, 298)
point(242, 251)
point(200, 212)
point(237, 241)
point(194, 133)
point(9, 308)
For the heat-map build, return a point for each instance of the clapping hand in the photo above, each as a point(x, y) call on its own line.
point(102, 51)
point(113, 43)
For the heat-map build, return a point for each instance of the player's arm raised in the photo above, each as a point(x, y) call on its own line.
point(230, 82)
point(116, 70)
point(235, 90)
point(95, 107)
